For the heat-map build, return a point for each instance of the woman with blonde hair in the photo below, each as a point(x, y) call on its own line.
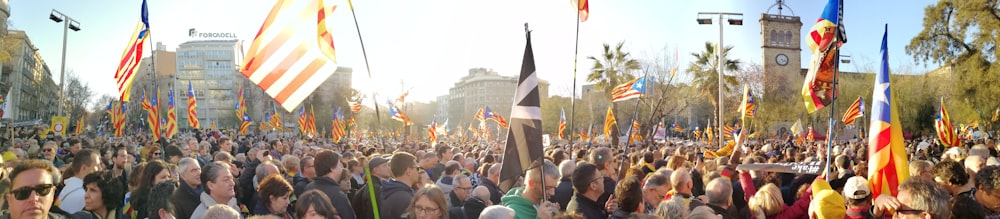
point(428, 203)
point(767, 203)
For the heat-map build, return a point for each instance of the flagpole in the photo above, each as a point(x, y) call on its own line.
point(576, 56)
point(364, 54)
point(836, 74)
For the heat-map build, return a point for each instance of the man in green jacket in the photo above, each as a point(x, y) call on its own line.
point(525, 199)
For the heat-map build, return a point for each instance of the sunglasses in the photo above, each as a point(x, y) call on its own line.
point(23, 192)
point(47, 149)
point(156, 154)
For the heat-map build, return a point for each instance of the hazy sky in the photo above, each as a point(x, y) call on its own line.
point(430, 45)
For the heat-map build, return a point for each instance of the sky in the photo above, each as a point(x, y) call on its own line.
point(429, 45)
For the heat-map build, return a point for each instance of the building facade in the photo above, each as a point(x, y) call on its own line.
point(211, 67)
point(33, 93)
point(484, 88)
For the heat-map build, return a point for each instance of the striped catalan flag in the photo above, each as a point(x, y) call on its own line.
point(241, 105)
point(152, 115)
point(583, 7)
point(855, 111)
point(609, 123)
point(245, 125)
point(942, 124)
point(562, 122)
point(889, 165)
point(171, 116)
point(293, 53)
point(119, 111)
point(192, 108)
point(632, 89)
point(132, 55)
point(303, 119)
point(824, 40)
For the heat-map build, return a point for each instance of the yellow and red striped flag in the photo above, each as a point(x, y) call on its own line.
point(355, 105)
point(855, 111)
point(311, 121)
point(152, 115)
point(79, 126)
point(192, 108)
point(119, 118)
point(171, 115)
point(888, 165)
point(944, 129)
point(293, 53)
point(303, 119)
point(241, 105)
point(748, 107)
point(245, 125)
point(432, 132)
point(609, 123)
point(562, 122)
point(824, 40)
point(132, 55)
point(583, 7)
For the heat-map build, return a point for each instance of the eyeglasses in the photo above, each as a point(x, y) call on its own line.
point(423, 210)
point(156, 154)
point(48, 149)
point(464, 188)
point(908, 211)
point(23, 192)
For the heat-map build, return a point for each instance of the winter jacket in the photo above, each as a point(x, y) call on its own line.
point(495, 193)
point(796, 210)
point(523, 208)
point(588, 208)
point(395, 196)
point(332, 190)
point(185, 200)
point(206, 201)
point(473, 207)
point(362, 200)
point(564, 192)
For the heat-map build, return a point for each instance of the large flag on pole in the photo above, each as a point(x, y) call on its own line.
point(432, 133)
point(495, 117)
point(609, 123)
point(132, 55)
point(152, 116)
point(632, 89)
point(293, 52)
point(823, 41)
point(303, 119)
point(747, 107)
point(583, 7)
point(855, 111)
point(171, 128)
point(399, 116)
point(241, 105)
point(524, 138)
point(245, 125)
point(888, 166)
point(944, 129)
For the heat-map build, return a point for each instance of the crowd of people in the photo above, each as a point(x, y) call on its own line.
point(222, 175)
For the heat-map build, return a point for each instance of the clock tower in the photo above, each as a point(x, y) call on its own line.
point(781, 48)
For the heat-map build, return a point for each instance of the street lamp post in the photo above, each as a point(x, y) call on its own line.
point(68, 24)
point(734, 19)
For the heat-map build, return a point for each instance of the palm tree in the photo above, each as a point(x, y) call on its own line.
point(613, 68)
point(706, 74)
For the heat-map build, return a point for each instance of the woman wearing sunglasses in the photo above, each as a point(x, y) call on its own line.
point(104, 198)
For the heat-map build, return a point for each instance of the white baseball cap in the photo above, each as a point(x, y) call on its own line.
point(857, 188)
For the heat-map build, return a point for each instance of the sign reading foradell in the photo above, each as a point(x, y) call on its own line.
point(218, 35)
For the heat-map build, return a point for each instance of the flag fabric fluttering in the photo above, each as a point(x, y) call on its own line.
point(496, 117)
point(796, 127)
point(562, 122)
point(192, 110)
point(635, 136)
point(632, 89)
point(583, 7)
point(241, 105)
point(355, 105)
point(609, 123)
point(432, 133)
point(855, 111)
point(119, 118)
point(311, 122)
point(399, 116)
point(152, 114)
point(132, 55)
point(480, 115)
point(245, 125)
point(171, 128)
point(303, 119)
point(747, 107)
point(276, 122)
point(79, 127)
point(942, 124)
point(824, 40)
point(335, 129)
point(524, 137)
point(293, 52)
point(888, 165)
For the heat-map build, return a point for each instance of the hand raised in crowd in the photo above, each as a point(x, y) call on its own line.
point(611, 205)
point(547, 209)
point(884, 204)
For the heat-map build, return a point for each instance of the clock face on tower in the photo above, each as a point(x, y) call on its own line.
point(781, 59)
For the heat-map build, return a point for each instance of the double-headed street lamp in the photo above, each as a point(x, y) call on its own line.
point(705, 18)
point(68, 24)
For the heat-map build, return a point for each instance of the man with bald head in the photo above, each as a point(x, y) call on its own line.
point(478, 200)
point(680, 179)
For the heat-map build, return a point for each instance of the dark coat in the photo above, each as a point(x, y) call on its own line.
point(473, 207)
point(564, 193)
point(185, 200)
point(362, 201)
point(395, 196)
point(331, 188)
point(495, 193)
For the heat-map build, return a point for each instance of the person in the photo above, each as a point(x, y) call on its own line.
point(155, 172)
point(681, 181)
point(524, 199)
point(564, 191)
point(703, 212)
point(987, 189)
point(274, 194)
point(672, 208)
point(221, 211)
point(917, 198)
point(628, 194)
point(218, 184)
point(160, 208)
point(589, 185)
point(605, 162)
point(720, 196)
point(314, 204)
point(186, 199)
point(120, 165)
point(443, 154)
point(85, 162)
point(49, 153)
point(31, 196)
point(304, 177)
point(654, 189)
point(75, 145)
point(428, 203)
point(446, 182)
point(492, 177)
point(362, 201)
point(104, 196)
point(479, 200)
point(497, 212)
point(399, 190)
point(328, 171)
point(858, 197)
point(460, 191)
